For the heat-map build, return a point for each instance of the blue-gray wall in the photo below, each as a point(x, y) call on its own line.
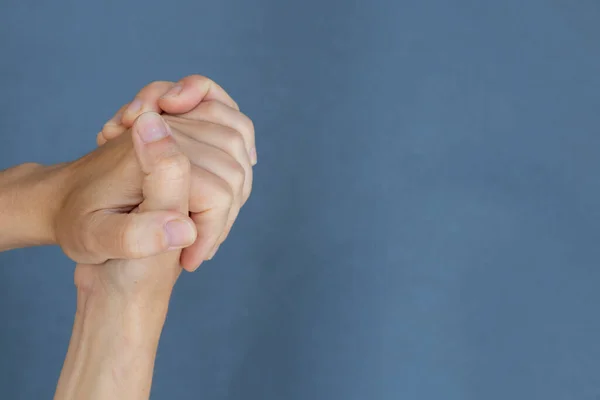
point(425, 218)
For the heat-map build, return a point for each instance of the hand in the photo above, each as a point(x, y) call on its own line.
point(165, 191)
point(220, 125)
point(99, 219)
point(122, 305)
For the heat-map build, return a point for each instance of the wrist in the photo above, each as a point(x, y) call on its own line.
point(112, 349)
point(30, 196)
point(137, 320)
point(145, 310)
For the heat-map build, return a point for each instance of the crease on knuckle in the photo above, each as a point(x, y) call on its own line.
point(211, 108)
point(199, 79)
point(238, 177)
point(174, 167)
point(223, 194)
point(235, 142)
point(248, 124)
point(153, 86)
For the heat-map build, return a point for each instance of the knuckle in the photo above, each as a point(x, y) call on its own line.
point(198, 79)
point(174, 166)
point(127, 240)
point(223, 194)
point(112, 130)
point(235, 142)
point(248, 124)
point(211, 108)
point(136, 242)
point(238, 176)
point(153, 87)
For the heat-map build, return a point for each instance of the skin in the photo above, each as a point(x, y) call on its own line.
point(198, 98)
point(122, 304)
point(158, 194)
point(87, 199)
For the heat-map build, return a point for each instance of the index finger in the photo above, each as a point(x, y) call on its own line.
point(192, 90)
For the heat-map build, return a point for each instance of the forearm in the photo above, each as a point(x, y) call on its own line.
point(112, 350)
point(29, 196)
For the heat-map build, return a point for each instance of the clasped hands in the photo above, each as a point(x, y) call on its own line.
point(160, 192)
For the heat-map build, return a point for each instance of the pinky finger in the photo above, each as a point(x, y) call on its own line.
point(114, 127)
point(100, 139)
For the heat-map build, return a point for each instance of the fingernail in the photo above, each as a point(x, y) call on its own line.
point(116, 120)
point(213, 253)
point(174, 91)
point(179, 234)
point(151, 127)
point(253, 156)
point(134, 107)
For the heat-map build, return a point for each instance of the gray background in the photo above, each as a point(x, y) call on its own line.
point(425, 218)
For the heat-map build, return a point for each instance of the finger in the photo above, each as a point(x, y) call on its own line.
point(145, 101)
point(221, 114)
point(163, 223)
point(234, 212)
point(100, 139)
point(138, 235)
point(209, 225)
point(210, 220)
point(212, 159)
point(167, 182)
point(116, 119)
point(237, 183)
point(228, 140)
point(192, 90)
point(202, 195)
point(113, 127)
point(225, 167)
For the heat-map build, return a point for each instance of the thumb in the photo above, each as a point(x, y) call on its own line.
point(161, 222)
point(167, 170)
point(138, 235)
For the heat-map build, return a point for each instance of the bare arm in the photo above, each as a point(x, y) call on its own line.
point(29, 196)
point(112, 349)
point(122, 304)
point(81, 206)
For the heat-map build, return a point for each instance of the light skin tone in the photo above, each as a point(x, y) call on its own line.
point(122, 304)
point(131, 214)
point(74, 204)
point(196, 97)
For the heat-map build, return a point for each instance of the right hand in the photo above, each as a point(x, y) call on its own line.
point(99, 218)
point(219, 124)
point(95, 223)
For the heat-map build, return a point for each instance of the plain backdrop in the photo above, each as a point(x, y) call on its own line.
point(425, 220)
